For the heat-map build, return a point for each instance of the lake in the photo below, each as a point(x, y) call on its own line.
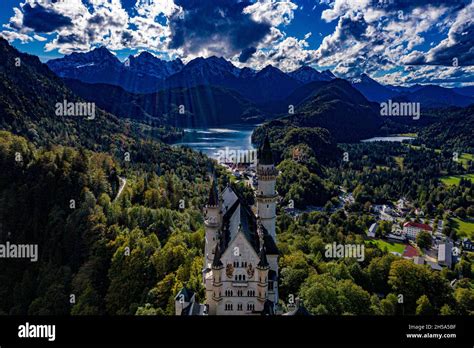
point(394, 138)
point(210, 140)
point(236, 137)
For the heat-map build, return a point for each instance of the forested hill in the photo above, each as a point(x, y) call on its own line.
point(202, 106)
point(97, 253)
point(29, 92)
point(453, 130)
point(339, 108)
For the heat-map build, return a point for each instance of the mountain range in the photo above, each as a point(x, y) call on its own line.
point(28, 96)
point(146, 73)
point(198, 106)
point(429, 96)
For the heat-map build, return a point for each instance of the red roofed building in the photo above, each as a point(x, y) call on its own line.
point(411, 229)
point(410, 252)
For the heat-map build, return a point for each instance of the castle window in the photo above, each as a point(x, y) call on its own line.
point(228, 306)
point(251, 293)
point(239, 306)
point(267, 205)
point(250, 306)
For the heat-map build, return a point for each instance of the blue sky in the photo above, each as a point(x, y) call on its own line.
point(393, 41)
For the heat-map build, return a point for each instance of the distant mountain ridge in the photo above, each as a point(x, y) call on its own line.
point(147, 64)
point(435, 97)
point(270, 87)
point(429, 96)
point(307, 74)
point(373, 90)
point(199, 106)
point(28, 97)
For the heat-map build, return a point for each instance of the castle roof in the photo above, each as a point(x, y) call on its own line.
point(265, 155)
point(184, 294)
point(418, 225)
point(299, 309)
point(216, 262)
point(268, 308)
point(249, 228)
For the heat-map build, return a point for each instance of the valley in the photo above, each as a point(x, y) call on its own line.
point(88, 192)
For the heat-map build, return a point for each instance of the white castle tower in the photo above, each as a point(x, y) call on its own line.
point(212, 223)
point(266, 193)
point(240, 271)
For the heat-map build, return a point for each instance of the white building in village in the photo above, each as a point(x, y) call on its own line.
point(240, 271)
point(411, 229)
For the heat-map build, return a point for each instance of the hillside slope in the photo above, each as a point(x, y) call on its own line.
point(338, 107)
point(200, 106)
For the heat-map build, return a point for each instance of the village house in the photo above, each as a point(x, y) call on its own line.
point(445, 255)
point(411, 229)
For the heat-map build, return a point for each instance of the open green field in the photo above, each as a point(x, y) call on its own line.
point(455, 179)
point(418, 147)
point(464, 228)
point(414, 135)
point(391, 246)
point(465, 157)
point(399, 161)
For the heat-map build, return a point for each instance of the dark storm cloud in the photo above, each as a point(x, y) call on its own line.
point(218, 25)
point(127, 38)
point(43, 20)
point(462, 52)
point(246, 54)
point(457, 49)
point(352, 28)
point(70, 39)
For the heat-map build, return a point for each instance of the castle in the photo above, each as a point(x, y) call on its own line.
point(240, 271)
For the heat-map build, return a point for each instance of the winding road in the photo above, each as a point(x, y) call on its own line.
point(123, 182)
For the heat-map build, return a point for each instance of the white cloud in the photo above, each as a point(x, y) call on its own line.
point(13, 35)
point(370, 38)
point(273, 12)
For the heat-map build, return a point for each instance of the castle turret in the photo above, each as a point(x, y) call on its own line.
point(215, 296)
point(183, 299)
point(211, 223)
point(266, 192)
point(262, 275)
